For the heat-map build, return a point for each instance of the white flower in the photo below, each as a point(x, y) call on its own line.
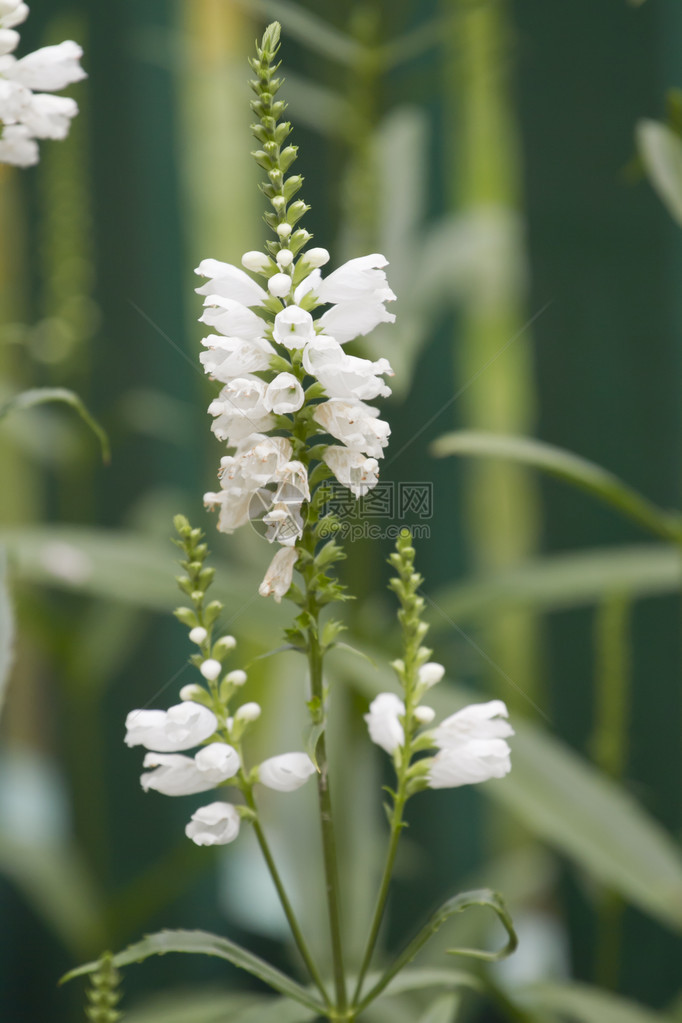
point(430, 674)
point(279, 575)
point(284, 394)
point(359, 278)
point(168, 731)
point(49, 69)
point(9, 40)
point(472, 746)
point(355, 424)
point(229, 357)
point(229, 282)
point(17, 147)
point(287, 772)
point(284, 517)
point(215, 824)
point(383, 721)
point(245, 473)
point(12, 13)
point(240, 410)
point(49, 117)
point(293, 327)
point(352, 469)
point(279, 285)
point(424, 715)
point(345, 376)
point(354, 319)
point(14, 100)
point(232, 318)
point(178, 775)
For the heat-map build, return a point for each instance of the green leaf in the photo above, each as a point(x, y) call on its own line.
point(417, 978)
point(443, 1010)
point(40, 395)
point(6, 629)
point(573, 469)
point(457, 904)
point(560, 581)
point(584, 1004)
point(313, 734)
point(203, 943)
point(201, 1006)
point(661, 151)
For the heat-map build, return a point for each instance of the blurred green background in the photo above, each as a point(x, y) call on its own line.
point(488, 150)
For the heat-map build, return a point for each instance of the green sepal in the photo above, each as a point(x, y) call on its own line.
point(186, 616)
point(330, 631)
point(211, 612)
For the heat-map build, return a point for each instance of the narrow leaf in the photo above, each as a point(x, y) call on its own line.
point(459, 903)
point(560, 581)
point(202, 1006)
point(661, 151)
point(443, 1010)
point(417, 978)
point(571, 468)
point(582, 1003)
point(203, 943)
point(6, 629)
point(41, 395)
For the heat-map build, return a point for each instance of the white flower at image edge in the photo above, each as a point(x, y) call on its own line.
point(383, 722)
point(472, 746)
point(215, 824)
point(168, 731)
point(178, 775)
point(286, 772)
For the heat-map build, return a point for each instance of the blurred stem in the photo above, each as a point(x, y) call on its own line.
point(284, 898)
point(331, 872)
point(613, 677)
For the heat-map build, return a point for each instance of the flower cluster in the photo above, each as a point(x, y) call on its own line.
point(471, 743)
point(288, 384)
point(205, 718)
point(28, 110)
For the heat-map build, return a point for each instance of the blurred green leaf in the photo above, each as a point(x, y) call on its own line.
point(661, 150)
point(203, 943)
point(201, 1006)
point(6, 629)
point(307, 28)
point(570, 804)
point(581, 1003)
point(55, 881)
point(566, 466)
point(561, 581)
point(458, 904)
point(417, 978)
point(443, 1010)
point(41, 395)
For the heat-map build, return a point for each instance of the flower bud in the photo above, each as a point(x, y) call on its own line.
point(316, 257)
point(236, 678)
point(424, 715)
point(284, 231)
point(210, 669)
point(224, 644)
point(430, 674)
point(198, 634)
point(247, 712)
point(279, 285)
point(192, 692)
point(284, 258)
point(258, 262)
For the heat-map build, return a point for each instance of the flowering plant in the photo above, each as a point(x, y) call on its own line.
point(287, 387)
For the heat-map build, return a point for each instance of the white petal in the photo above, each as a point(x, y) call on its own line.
point(286, 772)
point(279, 575)
point(215, 824)
point(348, 320)
point(293, 327)
point(51, 68)
point(229, 281)
point(179, 728)
point(49, 117)
point(383, 721)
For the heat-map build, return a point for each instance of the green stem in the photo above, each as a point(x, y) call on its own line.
point(284, 900)
point(380, 906)
point(326, 819)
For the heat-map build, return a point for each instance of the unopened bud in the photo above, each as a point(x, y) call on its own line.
point(192, 692)
point(258, 262)
point(198, 634)
point(284, 231)
point(424, 715)
point(210, 669)
point(316, 257)
point(431, 673)
point(224, 644)
point(279, 285)
point(284, 257)
point(247, 712)
point(236, 678)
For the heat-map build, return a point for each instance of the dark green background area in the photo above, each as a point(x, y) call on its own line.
point(608, 371)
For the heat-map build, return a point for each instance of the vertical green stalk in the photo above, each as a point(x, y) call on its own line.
point(501, 503)
point(613, 683)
